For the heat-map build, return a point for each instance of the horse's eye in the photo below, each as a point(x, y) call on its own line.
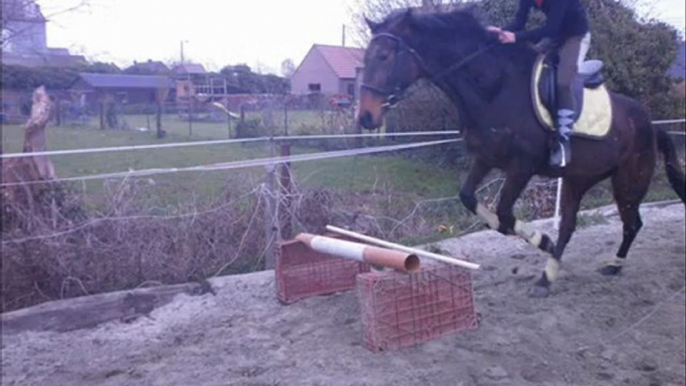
point(383, 57)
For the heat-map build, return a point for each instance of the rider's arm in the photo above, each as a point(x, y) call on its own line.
point(521, 16)
point(551, 26)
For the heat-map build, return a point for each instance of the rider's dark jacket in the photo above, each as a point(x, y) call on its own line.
point(565, 18)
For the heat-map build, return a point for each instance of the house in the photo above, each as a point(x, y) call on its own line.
point(329, 70)
point(125, 89)
point(24, 38)
point(109, 93)
point(23, 29)
point(188, 78)
point(184, 69)
point(151, 67)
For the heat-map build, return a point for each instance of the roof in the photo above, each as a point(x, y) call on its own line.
point(22, 10)
point(343, 60)
point(189, 68)
point(125, 81)
point(58, 51)
point(151, 65)
point(43, 60)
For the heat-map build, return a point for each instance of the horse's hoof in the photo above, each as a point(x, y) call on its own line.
point(539, 291)
point(610, 270)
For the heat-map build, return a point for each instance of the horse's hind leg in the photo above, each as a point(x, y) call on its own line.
point(628, 195)
point(573, 191)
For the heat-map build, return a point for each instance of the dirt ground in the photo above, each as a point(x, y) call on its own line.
point(592, 331)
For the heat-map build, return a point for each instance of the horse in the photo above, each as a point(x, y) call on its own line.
point(489, 83)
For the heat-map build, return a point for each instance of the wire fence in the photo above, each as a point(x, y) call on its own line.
point(169, 220)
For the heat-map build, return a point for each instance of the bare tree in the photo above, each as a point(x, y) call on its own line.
point(378, 9)
point(287, 68)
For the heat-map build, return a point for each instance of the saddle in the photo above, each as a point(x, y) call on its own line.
point(593, 108)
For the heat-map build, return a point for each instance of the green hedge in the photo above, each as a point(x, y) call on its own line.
point(53, 78)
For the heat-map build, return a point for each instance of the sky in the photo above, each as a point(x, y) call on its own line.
point(260, 33)
point(670, 11)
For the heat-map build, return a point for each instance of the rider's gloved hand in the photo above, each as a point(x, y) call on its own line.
point(493, 29)
point(507, 37)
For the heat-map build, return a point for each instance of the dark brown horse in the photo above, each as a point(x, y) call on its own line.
point(490, 85)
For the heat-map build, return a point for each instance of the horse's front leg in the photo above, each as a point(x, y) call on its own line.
point(505, 221)
point(477, 172)
point(517, 177)
point(573, 189)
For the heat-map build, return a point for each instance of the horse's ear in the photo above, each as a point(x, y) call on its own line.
point(373, 26)
point(408, 14)
point(408, 17)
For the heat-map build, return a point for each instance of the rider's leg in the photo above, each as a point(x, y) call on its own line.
point(583, 49)
point(567, 70)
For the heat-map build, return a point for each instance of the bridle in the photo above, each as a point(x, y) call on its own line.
point(397, 91)
point(395, 94)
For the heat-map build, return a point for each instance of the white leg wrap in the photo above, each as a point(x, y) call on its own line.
point(489, 217)
point(615, 262)
point(533, 237)
point(536, 239)
point(552, 269)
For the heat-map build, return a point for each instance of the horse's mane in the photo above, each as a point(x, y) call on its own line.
point(462, 20)
point(465, 21)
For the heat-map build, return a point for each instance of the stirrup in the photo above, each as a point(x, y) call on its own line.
point(561, 155)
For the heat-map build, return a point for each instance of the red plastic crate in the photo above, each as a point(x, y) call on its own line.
point(400, 310)
point(302, 272)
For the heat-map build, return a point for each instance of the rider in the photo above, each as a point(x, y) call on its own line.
point(567, 28)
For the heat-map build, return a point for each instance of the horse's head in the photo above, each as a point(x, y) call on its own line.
point(448, 41)
point(390, 67)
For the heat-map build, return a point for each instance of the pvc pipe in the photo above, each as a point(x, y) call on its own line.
point(419, 252)
point(397, 260)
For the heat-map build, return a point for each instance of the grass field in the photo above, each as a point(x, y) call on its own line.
point(353, 173)
point(357, 174)
point(299, 122)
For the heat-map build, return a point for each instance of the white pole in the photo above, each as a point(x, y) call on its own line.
point(668, 121)
point(557, 204)
point(419, 252)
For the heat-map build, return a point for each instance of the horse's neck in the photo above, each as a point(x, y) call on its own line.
point(476, 87)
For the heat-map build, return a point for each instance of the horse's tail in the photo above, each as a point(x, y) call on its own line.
point(674, 173)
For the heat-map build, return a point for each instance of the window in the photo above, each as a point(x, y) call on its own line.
point(351, 90)
point(314, 87)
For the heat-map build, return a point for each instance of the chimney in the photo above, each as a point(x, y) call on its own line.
point(343, 43)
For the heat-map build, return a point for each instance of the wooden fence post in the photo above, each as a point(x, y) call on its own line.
point(271, 212)
point(286, 214)
point(101, 107)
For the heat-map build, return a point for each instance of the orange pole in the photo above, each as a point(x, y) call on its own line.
point(397, 260)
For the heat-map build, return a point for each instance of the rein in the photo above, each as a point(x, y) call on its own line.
point(398, 93)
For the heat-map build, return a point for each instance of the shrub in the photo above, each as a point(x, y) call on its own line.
point(250, 128)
